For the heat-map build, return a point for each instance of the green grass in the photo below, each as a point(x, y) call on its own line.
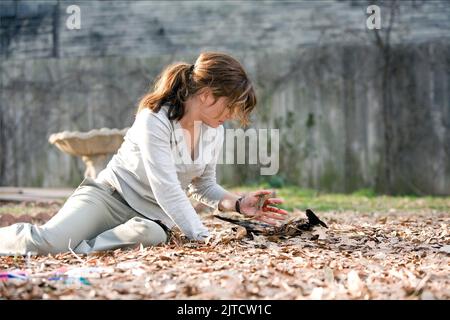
point(364, 200)
point(29, 208)
point(14, 210)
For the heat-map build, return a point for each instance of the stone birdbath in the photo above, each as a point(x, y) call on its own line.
point(93, 146)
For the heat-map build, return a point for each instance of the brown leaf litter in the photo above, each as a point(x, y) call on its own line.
point(378, 255)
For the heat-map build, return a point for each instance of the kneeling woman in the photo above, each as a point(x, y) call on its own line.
point(143, 192)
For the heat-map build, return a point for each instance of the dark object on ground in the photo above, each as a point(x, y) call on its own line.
point(314, 220)
point(290, 229)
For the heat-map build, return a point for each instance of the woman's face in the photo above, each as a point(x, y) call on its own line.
point(214, 113)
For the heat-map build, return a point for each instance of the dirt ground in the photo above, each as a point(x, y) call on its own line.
point(392, 254)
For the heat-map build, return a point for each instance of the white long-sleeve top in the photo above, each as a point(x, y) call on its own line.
point(148, 173)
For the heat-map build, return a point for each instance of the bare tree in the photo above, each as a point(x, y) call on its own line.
point(382, 40)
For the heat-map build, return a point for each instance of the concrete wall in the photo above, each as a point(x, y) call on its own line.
point(317, 70)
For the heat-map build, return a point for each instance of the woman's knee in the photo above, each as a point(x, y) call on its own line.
point(147, 231)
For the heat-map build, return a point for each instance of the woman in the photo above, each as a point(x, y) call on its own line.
point(143, 192)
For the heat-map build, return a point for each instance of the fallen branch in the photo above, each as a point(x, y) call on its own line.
point(290, 229)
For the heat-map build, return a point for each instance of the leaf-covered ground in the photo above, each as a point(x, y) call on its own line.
point(375, 248)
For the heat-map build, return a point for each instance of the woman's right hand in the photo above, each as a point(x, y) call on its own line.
point(249, 207)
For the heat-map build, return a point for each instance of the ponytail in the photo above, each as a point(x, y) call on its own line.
point(172, 88)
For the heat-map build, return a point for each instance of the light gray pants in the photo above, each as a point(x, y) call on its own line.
point(94, 218)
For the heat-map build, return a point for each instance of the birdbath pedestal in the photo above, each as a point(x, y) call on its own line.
point(93, 146)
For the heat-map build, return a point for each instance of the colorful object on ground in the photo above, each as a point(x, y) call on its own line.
point(71, 280)
point(13, 275)
point(68, 275)
point(78, 274)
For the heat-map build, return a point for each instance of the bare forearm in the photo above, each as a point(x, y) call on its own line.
point(228, 202)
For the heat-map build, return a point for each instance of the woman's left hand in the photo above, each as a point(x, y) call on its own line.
point(267, 213)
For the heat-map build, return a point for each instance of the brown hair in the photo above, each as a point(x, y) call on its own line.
point(217, 71)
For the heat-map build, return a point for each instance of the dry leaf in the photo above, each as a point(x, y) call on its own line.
point(321, 233)
point(445, 249)
point(316, 294)
point(404, 258)
point(240, 233)
point(354, 283)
